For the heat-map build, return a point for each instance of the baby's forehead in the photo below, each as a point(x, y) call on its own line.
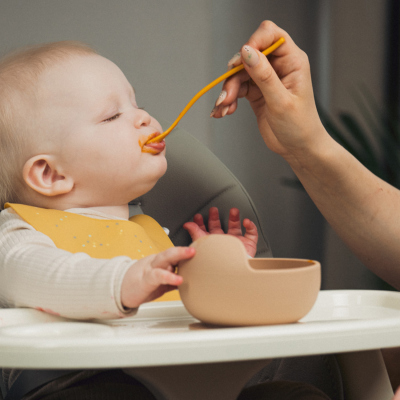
point(85, 69)
point(25, 77)
point(91, 84)
point(27, 64)
point(74, 64)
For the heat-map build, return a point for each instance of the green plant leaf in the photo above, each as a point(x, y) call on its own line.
point(375, 142)
point(335, 131)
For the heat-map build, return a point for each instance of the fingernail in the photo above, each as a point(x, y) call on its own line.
point(224, 111)
point(214, 110)
point(234, 59)
point(221, 98)
point(250, 56)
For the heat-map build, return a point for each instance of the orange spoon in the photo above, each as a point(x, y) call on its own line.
point(231, 72)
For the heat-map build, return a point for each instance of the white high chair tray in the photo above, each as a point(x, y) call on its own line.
point(165, 334)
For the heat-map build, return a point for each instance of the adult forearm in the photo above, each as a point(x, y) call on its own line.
point(361, 208)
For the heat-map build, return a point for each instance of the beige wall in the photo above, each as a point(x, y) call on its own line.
point(357, 58)
point(163, 47)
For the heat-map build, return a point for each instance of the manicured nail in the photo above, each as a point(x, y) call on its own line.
point(224, 111)
point(250, 56)
point(214, 110)
point(234, 59)
point(221, 98)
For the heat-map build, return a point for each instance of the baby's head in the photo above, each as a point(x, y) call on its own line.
point(70, 130)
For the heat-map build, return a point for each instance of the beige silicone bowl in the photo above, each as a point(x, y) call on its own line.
point(223, 286)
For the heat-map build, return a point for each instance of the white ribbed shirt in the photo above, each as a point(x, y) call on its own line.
point(35, 273)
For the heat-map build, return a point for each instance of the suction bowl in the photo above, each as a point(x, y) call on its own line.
point(223, 286)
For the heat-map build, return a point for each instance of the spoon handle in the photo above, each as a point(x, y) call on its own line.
point(215, 82)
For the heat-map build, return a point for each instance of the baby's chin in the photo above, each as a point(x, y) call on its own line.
point(159, 165)
point(152, 181)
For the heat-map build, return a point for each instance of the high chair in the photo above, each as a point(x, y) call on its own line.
point(170, 344)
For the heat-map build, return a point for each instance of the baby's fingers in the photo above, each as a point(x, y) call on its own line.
point(251, 230)
point(172, 256)
point(198, 219)
point(214, 223)
point(194, 230)
point(234, 225)
point(165, 277)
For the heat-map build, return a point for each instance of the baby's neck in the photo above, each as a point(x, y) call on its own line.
point(118, 211)
point(113, 211)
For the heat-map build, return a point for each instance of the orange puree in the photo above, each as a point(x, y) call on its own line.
point(149, 150)
point(144, 139)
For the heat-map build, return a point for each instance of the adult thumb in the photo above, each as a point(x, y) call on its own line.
point(263, 75)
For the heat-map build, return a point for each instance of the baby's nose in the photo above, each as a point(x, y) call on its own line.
point(142, 118)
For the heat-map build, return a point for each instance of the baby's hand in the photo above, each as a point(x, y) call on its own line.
point(197, 229)
point(152, 276)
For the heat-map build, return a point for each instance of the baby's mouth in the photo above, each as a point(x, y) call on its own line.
point(152, 148)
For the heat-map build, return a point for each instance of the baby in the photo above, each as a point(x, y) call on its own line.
point(71, 137)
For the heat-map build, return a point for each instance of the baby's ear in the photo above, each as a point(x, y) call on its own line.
point(42, 175)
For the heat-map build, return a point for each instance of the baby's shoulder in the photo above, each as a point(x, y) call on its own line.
point(7, 213)
point(8, 218)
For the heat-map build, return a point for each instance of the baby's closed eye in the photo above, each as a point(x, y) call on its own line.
point(114, 117)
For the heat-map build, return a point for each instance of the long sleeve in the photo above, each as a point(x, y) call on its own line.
point(36, 274)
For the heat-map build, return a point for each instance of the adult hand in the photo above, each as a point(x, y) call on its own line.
point(279, 90)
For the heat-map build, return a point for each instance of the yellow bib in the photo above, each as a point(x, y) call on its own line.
point(139, 237)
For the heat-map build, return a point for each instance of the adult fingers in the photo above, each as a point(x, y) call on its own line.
point(285, 60)
point(229, 105)
point(281, 74)
point(264, 76)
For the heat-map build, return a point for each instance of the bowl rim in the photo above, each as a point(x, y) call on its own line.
point(313, 264)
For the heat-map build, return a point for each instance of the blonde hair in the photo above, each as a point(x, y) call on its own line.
point(19, 73)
